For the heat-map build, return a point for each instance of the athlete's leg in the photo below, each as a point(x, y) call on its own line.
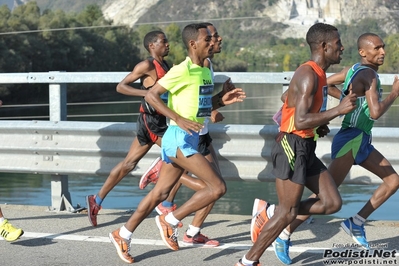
point(213, 158)
point(201, 215)
point(289, 196)
point(328, 199)
point(192, 182)
point(377, 164)
point(338, 169)
point(214, 189)
point(380, 166)
point(168, 176)
point(135, 154)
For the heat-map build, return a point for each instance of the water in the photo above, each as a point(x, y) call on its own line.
point(29, 189)
point(259, 107)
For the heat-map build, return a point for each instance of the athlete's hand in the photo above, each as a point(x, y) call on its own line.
point(322, 130)
point(227, 86)
point(348, 103)
point(188, 125)
point(216, 116)
point(234, 96)
point(395, 85)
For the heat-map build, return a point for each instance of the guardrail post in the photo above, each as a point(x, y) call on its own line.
point(58, 100)
point(60, 196)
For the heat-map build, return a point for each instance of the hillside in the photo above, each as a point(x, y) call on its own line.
point(282, 18)
point(295, 15)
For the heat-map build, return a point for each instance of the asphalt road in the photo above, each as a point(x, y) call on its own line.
point(65, 238)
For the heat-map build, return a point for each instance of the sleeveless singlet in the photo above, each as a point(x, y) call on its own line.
point(319, 105)
point(360, 117)
point(160, 70)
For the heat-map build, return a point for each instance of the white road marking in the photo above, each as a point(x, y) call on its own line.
point(103, 239)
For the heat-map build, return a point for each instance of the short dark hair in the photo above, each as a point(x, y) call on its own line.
point(318, 33)
point(190, 32)
point(151, 37)
point(207, 23)
point(362, 38)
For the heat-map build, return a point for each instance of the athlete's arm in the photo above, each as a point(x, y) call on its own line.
point(336, 79)
point(368, 79)
point(284, 96)
point(304, 85)
point(141, 70)
point(153, 97)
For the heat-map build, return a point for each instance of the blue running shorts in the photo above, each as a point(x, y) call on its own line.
point(352, 139)
point(174, 138)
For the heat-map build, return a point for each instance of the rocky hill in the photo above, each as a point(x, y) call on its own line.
point(298, 15)
point(295, 16)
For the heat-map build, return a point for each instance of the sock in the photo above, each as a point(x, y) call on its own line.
point(270, 211)
point(285, 235)
point(2, 220)
point(358, 220)
point(170, 218)
point(247, 262)
point(98, 200)
point(167, 203)
point(192, 230)
point(124, 233)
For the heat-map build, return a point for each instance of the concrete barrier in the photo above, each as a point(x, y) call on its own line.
point(94, 148)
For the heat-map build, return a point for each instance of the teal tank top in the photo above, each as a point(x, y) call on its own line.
point(360, 117)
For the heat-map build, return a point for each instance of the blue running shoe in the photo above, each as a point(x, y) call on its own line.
point(357, 232)
point(281, 249)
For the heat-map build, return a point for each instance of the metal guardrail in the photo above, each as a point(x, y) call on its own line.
point(60, 147)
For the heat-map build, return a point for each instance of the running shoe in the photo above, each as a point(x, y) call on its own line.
point(199, 239)
point(168, 232)
point(160, 209)
point(281, 248)
point(9, 232)
point(92, 209)
point(259, 218)
point(152, 173)
point(357, 232)
point(239, 263)
point(122, 246)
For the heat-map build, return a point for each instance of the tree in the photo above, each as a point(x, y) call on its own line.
point(391, 63)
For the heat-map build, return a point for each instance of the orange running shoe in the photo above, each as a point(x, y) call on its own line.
point(199, 239)
point(168, 232)
point(92, 209)
point(152, 173)
point(259, 218)
point(160, 209)
point(122, 246)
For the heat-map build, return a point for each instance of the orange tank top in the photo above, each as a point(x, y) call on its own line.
point(288, 113)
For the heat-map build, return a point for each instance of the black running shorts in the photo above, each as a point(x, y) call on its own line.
point(150, 128)
point(294, 158)
point(203, 144)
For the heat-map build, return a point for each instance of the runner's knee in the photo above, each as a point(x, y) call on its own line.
point(219, 190)
point(128, 166)
point(392, 186)
point(285, 215)
point(332, 205)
